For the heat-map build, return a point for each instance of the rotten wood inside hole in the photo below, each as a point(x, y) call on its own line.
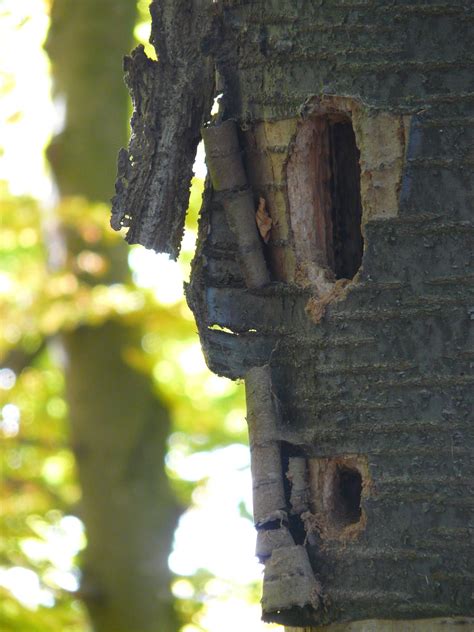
point(323, 175)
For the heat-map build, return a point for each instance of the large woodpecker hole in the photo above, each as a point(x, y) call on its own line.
point(324, 196)
point(346, 208)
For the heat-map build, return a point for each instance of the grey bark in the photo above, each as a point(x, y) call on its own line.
point(154, 174)
point(228, 178)
point(372, 373)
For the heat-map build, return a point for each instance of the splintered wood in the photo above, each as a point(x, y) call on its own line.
point(264, 221)
point(154, 174)
point(228, 178)
point(289, 581)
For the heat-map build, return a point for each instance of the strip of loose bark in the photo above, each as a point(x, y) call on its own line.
point(289, 581)
point(298, 476)
point(268, 493)
point(228, 176)
point(172, 98)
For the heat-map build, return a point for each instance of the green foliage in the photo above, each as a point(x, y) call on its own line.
point(67, 616)
point(39, 487)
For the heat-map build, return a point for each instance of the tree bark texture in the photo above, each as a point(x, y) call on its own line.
point(172, 99)
point(371, 372)
point(422, 625)
point(119, 427)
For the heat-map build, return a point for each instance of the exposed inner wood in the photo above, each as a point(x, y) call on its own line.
point(338, 488)
point(324, 198)
point(309, 194)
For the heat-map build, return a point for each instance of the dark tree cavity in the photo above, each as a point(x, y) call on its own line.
point(346, 209)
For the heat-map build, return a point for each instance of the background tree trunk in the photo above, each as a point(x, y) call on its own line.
point(119, 427)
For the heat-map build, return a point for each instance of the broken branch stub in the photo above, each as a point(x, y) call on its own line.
point(228, 177)
point(172, 97)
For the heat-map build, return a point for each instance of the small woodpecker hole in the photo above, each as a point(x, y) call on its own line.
point(338, 488)
point(347, 493)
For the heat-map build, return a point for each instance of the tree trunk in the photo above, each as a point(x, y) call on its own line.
point(119, 427)
point(447, 624)
point(349, 125)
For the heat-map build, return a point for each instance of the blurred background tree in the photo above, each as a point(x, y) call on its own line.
point(102, 381)
point(119, 424)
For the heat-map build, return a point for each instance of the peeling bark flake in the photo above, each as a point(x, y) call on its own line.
point(289, 582)
point(172, 98)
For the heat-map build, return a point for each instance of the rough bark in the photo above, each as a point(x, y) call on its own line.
point(118, 425)
point(119, 431)
point(172, 99)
